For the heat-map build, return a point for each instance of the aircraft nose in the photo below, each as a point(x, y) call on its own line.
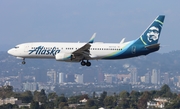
point(10, 51)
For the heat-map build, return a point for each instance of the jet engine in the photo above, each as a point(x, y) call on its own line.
point(63, 56)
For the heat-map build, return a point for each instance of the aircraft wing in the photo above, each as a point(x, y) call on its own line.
point(82, 52)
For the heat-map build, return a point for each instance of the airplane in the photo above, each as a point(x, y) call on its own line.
point(83, 52)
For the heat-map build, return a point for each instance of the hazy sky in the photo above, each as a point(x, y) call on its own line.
point(76, 20)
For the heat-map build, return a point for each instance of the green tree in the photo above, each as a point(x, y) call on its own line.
point(8, 88)
point(101, 99)
point(26, 97)
point(34, 105)
point(43, 97)
point(165, 91)
point(154, 93)
point(42, 106)
point(134, 96)
point(165, 88)
point(110, 101)
point(73, 99)
point(90, 103)
point(40, 96)
point(47, 105)
point(8, 106)
point(24, 107)
point(52, 95)
point(142, 102)
point(61, 101)
point(85, 96)
point(103, 95)
point(94, 95)
point(63, 104)
point(123, 104)
point(124, 94)
point(6, 91)
point(174, 103)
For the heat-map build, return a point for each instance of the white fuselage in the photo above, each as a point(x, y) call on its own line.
point(50, 49)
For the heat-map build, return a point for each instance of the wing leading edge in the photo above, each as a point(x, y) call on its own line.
point(83, 52)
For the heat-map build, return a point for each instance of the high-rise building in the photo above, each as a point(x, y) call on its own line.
point(178, 83)
point(133, 73)
point(166, 78)
point(147, 78)
point(109, 79)
point(155, 77)
point(30, 86)
point(70, 78)
point(61, 77)
point(142, 78)
point(100, 77)
point(79, 78)
point(51, 77)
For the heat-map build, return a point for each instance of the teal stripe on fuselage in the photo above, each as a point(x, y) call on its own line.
point(120, 52)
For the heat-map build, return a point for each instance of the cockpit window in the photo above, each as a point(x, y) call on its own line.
point(16, 47)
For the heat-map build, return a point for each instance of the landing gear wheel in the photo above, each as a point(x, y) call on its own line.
point(88, 64)
point(23, 62)
point(83, 63)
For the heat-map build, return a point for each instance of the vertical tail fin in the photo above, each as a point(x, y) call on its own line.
point(152, 33)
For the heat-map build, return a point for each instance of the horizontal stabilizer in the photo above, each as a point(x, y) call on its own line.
point(153, 46)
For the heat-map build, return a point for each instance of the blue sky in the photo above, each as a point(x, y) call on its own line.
point(76, 20)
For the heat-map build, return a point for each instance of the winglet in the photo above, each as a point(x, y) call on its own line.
point(92, 38)
point(122, 41)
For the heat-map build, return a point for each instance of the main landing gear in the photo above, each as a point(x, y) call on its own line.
point(83, 63)
point(23, 62)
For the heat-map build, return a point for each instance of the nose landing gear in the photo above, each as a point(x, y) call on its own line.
point(23, 62)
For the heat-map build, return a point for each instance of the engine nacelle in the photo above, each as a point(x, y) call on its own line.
point(63, 56)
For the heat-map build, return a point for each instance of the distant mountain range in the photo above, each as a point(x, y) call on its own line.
point(166, 62)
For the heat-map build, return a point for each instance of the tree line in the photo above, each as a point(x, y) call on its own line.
point(123, 100)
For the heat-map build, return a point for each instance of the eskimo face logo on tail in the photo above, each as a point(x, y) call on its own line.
point(41, 50)
point(153, 34)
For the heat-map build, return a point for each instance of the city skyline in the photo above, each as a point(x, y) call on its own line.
point(154, 78)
